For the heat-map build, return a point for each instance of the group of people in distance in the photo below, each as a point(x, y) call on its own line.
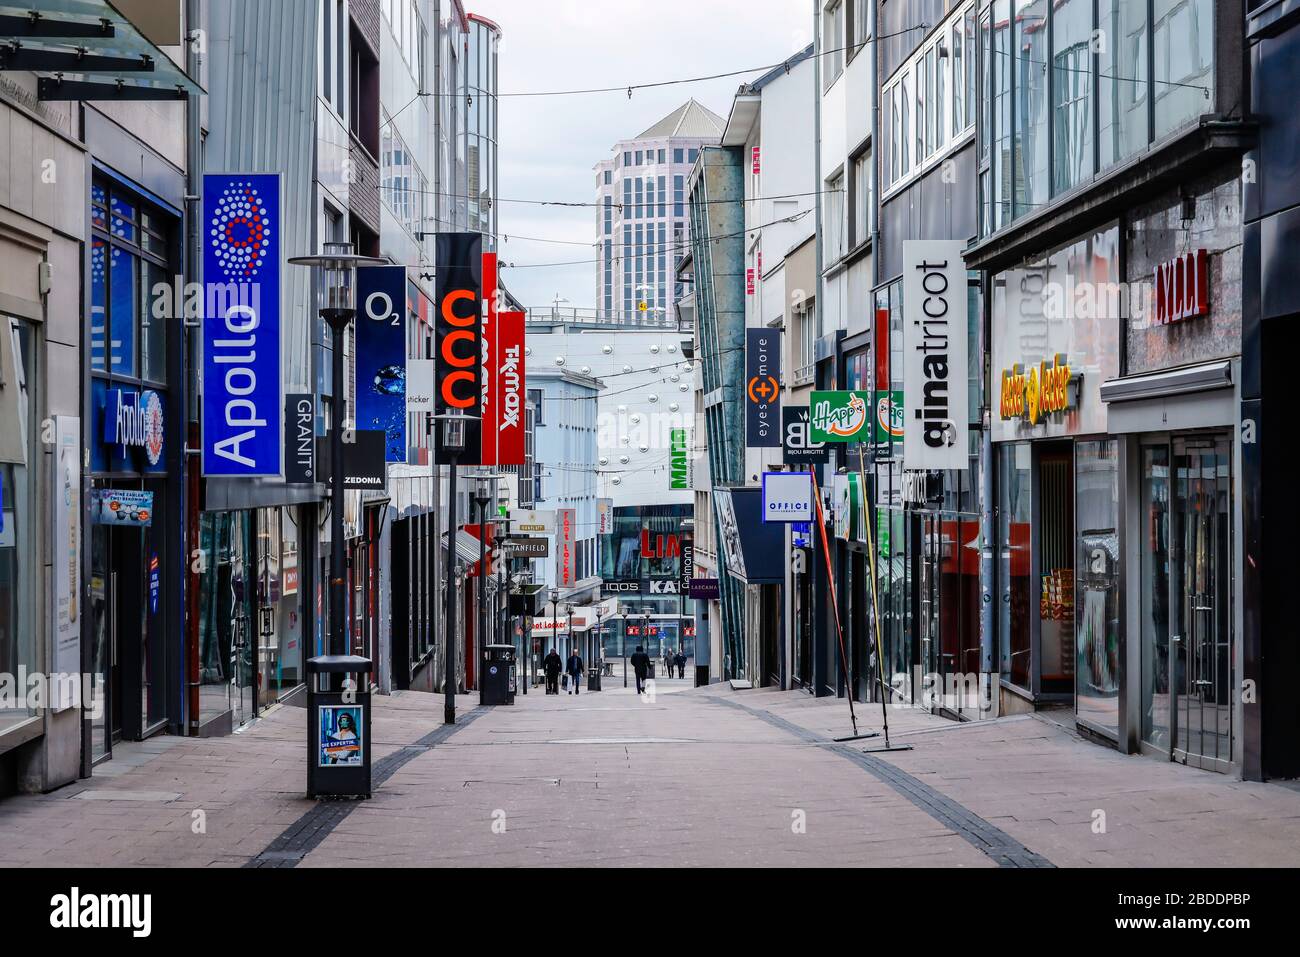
point(553, 665)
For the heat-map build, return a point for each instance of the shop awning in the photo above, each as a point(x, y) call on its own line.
point(467, 546)
point(90, 50)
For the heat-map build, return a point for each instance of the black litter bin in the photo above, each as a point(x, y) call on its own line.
point(338, 726)
point(593, 677)
point(498, 682)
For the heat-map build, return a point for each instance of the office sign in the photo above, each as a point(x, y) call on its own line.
point(787, 496)
point(678, 464)
point(935, 415)
point(300, 438)
point(797, 446)
point(380, 337)
point(458, 337)
point(363, 460)
point(534, 522)
point(565, 543)
point(134, 419)
point(511, 388)
point(762, 388)
point(242, 396)
point(839, 416)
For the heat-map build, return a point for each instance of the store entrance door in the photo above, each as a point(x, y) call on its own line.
point(1187, 644)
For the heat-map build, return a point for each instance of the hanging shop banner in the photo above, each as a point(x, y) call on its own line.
point(762, 388)
point(839, 416)
point(850, 518)
point(340, 736)
point(458, 337)
point(122, 507)
point(134, 419)
point(511, 388)
point(565, 538)
point(687, 567)
point(797, 446)
point(65, 543)
point(678, 464)
point(419, 385)
point(363, 459)
point(533, 522)
point(751, 549)
point(604, 516)
point(526, 547)
point(380, 337)
point(935, 415)
point(704, 588)
point(889, 418)
point(300, 438)
point(242, 397)
point(787, 496)
point(488, 364)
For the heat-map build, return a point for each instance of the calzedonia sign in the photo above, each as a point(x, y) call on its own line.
point(935, 325)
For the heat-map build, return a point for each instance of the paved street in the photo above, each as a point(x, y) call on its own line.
point(704, 776)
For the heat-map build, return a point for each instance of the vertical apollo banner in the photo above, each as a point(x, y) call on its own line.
point(935, 413)
point(243, 403)
point(510, 376)
point(762, 388)
point(458, 336)
point(381, 356)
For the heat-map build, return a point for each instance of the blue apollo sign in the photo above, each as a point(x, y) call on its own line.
point(242, 402)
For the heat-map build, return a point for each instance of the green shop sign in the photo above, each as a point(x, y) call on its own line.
point(839, 416)
point(679, 472)
point(889, 417)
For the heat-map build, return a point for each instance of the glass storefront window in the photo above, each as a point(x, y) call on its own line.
point(1015, 572)
point(227, 615)
point(17, 483)
point(1153, 596)
point(280, 610)
point(1097, 566)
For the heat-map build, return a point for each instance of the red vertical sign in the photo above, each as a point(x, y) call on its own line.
point(882, 350)
point(491, 410)
point(511, 388)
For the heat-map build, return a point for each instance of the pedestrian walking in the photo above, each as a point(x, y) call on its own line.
point(680, 661)
point(552, 665)
point(573, 668)
point(640, 666)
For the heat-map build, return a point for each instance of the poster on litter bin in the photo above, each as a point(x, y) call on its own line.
point(340, 736)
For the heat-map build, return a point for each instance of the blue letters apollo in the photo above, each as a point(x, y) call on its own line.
point(242, 402)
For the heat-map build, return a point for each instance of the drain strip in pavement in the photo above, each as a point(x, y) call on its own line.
point(305, 834)
point(993, 841)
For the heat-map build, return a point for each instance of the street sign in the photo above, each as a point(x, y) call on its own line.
point(787, 496)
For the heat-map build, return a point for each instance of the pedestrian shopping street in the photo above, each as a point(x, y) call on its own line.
point(692, 776)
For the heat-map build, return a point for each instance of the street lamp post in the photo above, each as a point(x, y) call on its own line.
point(453, 443)
point(573, 646)
point(335, 273)
point(482, 498)
point(645, 631)
point(555, 616)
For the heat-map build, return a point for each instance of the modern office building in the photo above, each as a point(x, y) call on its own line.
point(642, 228)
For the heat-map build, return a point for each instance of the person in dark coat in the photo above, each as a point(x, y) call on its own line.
point(573, 668)
point(552, 664)
point(641, 667)
point(680, 660)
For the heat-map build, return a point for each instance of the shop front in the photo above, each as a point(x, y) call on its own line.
point(1114, 399)
point(254, 615)
point(752, 556)
point(134, 437)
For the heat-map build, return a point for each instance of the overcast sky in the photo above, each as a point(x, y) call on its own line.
point(548, 145)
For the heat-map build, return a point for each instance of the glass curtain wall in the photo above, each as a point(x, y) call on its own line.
point(1151, 63)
